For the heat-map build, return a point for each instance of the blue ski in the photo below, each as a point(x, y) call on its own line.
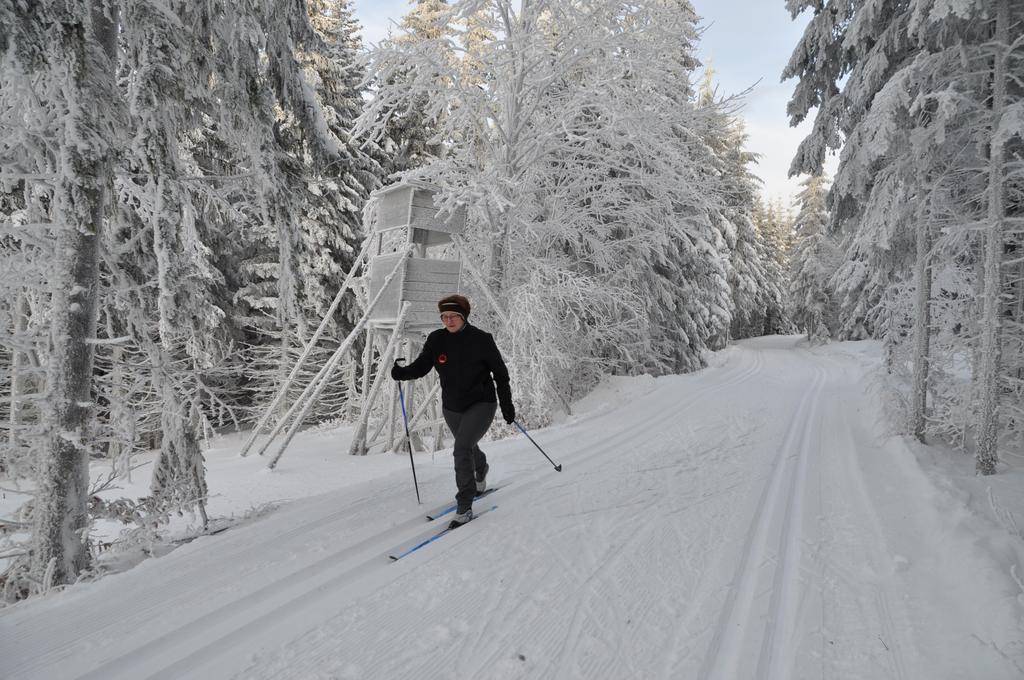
point(408, 548)
point(442, 510)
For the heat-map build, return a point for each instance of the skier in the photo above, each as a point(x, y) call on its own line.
point(465, 358)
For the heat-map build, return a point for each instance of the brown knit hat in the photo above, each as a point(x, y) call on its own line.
point(455, 303)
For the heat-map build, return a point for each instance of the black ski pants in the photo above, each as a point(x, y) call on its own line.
point(469, 427)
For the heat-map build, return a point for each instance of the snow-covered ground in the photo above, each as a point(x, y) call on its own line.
point(751, 520)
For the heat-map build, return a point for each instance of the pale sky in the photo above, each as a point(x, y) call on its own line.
point(746, 41)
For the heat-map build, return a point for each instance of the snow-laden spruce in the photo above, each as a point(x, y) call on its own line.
point(924, 101)
point(815, 256)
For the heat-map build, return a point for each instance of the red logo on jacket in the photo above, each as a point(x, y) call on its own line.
point(442, 358)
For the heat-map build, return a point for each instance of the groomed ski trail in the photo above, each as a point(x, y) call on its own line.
point(776, 523)
point(725, 524)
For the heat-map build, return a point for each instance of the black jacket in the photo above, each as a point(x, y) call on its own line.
point(465, 362)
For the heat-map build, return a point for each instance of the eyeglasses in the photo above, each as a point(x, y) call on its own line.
point(449, 316)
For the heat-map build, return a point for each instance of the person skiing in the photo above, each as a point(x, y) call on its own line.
point(472, 374)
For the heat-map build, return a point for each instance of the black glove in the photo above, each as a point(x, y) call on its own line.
point(508, 412)
point(398, 371)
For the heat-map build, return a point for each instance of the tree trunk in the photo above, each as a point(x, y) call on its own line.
point(18, 365)
point(500, 227)
point(512, 123)
point(922, 331)
point(84, 57)
point(122, 417)
point(991, 332)
point(178, 472)
point(1019, 317)
point(283, 368)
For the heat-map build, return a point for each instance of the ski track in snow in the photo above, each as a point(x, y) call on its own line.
point(780, 504)
point(720, 526)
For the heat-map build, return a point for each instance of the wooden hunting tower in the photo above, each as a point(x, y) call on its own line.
point(403, 277)
point(406, 217)
point(407, 275)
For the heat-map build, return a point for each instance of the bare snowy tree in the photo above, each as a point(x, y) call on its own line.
point(576, 141)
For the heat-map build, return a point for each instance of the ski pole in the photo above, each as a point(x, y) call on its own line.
point(558, 468)
point(408, 442)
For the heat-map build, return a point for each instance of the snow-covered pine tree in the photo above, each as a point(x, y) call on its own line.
point(331, 221)
point(912, 95)
point(820, 61)
point(739, 189)
point(287, 136)
point(179, 330)
point(411, 131)
point(688, 297)
point(775, 226)
point(332, 194)
point(813, 261)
